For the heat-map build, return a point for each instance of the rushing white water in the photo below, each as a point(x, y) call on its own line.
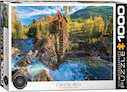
point(25, 46)
point(36, 67)
point(74, 68)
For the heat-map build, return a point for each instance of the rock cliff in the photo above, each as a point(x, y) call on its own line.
point(49, 52)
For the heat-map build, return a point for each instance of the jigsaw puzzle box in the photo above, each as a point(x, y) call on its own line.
point(63, 45)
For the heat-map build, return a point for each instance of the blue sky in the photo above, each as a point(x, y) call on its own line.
point(28, 13)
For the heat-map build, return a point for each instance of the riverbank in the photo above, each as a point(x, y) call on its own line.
point(94, 56)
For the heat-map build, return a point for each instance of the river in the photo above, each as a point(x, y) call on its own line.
point(74, 68)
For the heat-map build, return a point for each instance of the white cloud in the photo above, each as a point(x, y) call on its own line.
point(76, 8)
point(31, 12)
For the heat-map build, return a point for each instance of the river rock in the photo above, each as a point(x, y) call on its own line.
point(99, 60)
point(14, 51)
point(24, 71)
point(44, 76)
point(28, 58)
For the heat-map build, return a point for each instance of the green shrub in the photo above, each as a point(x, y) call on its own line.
point(74, 45)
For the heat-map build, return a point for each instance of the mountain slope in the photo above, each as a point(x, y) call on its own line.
point(43, 18)
point(103, 11)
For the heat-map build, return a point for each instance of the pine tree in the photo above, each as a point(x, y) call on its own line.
point(32, 30)
point(18, 31)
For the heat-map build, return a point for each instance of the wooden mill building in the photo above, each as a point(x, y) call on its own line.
point(59, 27)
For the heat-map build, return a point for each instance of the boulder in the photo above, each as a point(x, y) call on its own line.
point(28, 58)
point(14, 51)
point(44, 76)
point(24, 71)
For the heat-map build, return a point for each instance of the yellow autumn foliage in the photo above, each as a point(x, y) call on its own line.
point(98, 24)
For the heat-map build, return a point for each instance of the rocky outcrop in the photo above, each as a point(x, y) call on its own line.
point(28, 58)
point(14, 51)
point(43, 19)
point(49, 52)
point(44, 76)
point(99, 60)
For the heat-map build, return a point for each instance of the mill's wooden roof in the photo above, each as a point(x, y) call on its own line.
point(55, 18)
